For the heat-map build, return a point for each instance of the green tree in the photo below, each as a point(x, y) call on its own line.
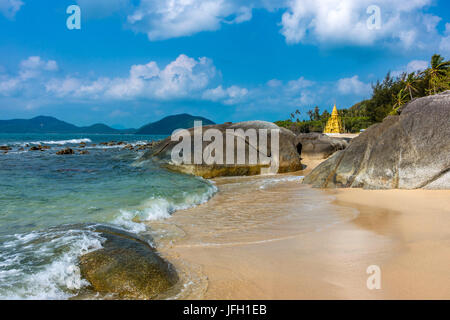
point(316, 116)
point(410, 84)
point(296, 116)
point(399, 100)
point(388, 97)
point(437, 72)
point(325, 116)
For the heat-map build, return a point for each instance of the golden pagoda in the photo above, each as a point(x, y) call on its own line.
point(334, 124)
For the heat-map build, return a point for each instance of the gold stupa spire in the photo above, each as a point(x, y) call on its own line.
point(334, 124)
point(335, 112)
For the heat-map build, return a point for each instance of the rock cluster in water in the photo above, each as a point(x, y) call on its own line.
point(408, 151)
point(83, 145)
point(126, 146)
point(127, 267)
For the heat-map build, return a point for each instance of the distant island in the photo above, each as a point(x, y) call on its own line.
point(44, 124)
point(171, 123)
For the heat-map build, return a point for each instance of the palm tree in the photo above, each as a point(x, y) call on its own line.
point(295, 116)
point(410, 84)
point(437, 71)
point(298, 114)
point(399, 100)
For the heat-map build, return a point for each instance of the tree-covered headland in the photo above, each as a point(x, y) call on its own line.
point(388, 98)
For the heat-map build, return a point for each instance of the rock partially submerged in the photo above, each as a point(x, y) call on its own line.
point(409, 151)
point(127, 146)
point(317, 146)
point(289, 159)
point(40, 148)
point(127, 267)
point(65, 151)
point(146, 146)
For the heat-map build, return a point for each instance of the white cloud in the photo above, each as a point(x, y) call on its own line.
point(229, 96)
point(34, 66)
point(345, 21)
point(284, 96)
point(8, 85)
point(416, 66)
point(36, 84)
point(215, 94)
point(9, 8)
point(183, 77)
point(430, 22)
point(322, 22)
point(413, 66)
point(274, 83)
point(179, 78)
point(300, 83)
point(29, 70)
point(63, 87)
point(177, 18)
point(444, 46)
point(353, 86)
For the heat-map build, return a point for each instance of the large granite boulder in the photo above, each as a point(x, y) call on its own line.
point(289, 157)
point(409, 151)
point(127, 267)
point(317, 146)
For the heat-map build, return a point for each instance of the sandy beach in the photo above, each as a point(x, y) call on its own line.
point(274, 238)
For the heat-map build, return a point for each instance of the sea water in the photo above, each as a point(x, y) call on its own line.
point(49, 204)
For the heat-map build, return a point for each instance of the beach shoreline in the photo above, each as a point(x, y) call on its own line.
point(404, 232)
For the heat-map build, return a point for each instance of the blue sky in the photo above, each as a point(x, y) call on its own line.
point(134, 62)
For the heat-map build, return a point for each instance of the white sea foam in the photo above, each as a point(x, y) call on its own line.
point(105, 147)
point(268, 182)
point(157, 208)
point(119, 146)
point(58, 279)
point(126, 220)
point(139, 143)
point(62, 142)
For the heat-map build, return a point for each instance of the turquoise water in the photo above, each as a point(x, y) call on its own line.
point(48, 204)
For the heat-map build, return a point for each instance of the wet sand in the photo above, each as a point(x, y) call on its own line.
point(274, 238)
point(417, 222)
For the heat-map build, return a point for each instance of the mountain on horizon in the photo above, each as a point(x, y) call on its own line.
point(169, 124)
point(45, 124)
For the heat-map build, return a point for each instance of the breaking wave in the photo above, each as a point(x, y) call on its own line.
point(44, 265)
point(61, 142)
point(157, 208)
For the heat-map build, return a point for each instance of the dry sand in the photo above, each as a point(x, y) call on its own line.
point(287, 241)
